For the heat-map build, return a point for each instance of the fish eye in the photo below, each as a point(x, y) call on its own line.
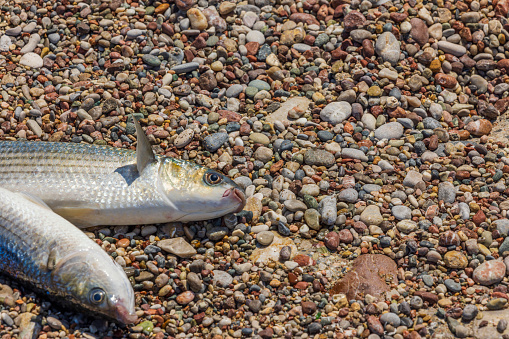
point(213, 178)
point(97, 295)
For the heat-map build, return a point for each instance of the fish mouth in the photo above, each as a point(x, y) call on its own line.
point(124, 316)
point(237, 195)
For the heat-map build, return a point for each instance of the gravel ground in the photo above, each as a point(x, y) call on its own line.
point(369, 137)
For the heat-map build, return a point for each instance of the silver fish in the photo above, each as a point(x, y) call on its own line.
point(44, 250)
point(92, 185)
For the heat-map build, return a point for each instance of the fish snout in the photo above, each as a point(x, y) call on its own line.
point(238, 196)
point(124, 316)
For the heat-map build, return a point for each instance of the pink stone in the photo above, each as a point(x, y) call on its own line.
point(332, 240)
point(185, 298)
point(345, 236)
point(489, 272)
point(229, 115)
point(214, 19)
point(432, 211)
point(479, 127)
point(370, 274)
point(353, 20)
point(305, 18)
point(375, 325)
point(449, 238)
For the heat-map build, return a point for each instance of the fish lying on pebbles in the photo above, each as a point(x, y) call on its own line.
point(93, 185)
point(45, 251)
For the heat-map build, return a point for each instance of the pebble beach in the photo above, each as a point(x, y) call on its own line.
point(370, 137)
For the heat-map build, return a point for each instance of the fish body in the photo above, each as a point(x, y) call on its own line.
point(44, 250)
point(92, 185)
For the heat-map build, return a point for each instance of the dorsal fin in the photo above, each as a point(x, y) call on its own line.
point(144, 153)
point(34, 199)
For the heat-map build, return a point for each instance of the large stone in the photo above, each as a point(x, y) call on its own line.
point(352, 153)
point(502, 226)
point(451, 48)
point(319, 158)
point(489, 272)
point(419, 31)
point(281, 114)
point(28, 329)
point(391, 130)
point(388, 47)
point(336, 112)
point(31, 60)
point(222, 278)
point(348, 195)
point(455, 259)
point(177, 246)
point(272, 252)
point(329, 210)
point(197, 18)
point(254, 205)
point(354, 19)
point(370, 274)
point(479, 127)
point(447, 192)
point(412, 178)
point(214, 141)
point(371, 215)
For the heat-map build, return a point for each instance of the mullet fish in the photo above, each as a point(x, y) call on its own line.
point(92, 185)
point(44, 250)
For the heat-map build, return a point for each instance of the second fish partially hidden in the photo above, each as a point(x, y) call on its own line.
point(44, 250)
point(93, 185)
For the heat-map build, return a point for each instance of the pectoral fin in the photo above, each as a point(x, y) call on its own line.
point(144, 153)
point(52, 260)
point(78, 216)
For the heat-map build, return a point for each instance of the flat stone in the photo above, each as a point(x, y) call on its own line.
point(31, 60)
point(255, 36)
point(260, 85)
point(319, 158)
point(329, 210)
point(34, 127)
point(272, 252)
point(370, 274)
point(401, 212)
point(234, 91)
point(419, 31)
point(407, 226)
point(177, 246)
point(391, 130)
point(222, 278)
point(352, 153)
point(184, 138)
point(186, 68)
point(281, 114)
point(412, 178)
point(259, 138)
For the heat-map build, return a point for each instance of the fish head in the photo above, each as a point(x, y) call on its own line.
point(198, 192)
point(97, 283)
